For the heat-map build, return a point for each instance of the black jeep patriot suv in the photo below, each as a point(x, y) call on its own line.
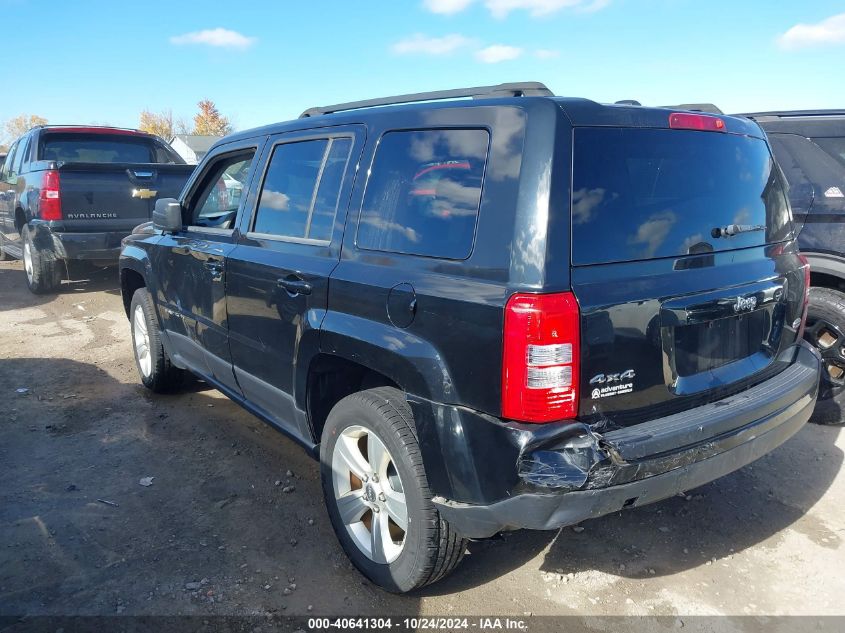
point(512, 311)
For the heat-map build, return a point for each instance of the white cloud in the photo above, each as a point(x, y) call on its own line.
point(424, 45)
point(446, 7)
point(498, 53)
point(546, 53)
point(220, 37)
point(829, 31)
point(539, 8)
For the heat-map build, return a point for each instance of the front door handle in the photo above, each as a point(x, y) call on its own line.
point(294, 285)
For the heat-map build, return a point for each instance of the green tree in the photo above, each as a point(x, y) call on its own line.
point(209, 122)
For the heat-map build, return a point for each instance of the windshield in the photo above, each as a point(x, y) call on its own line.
point(648, 193)
point(102, 148)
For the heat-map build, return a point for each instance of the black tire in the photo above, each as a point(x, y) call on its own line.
point(161, 375)
point(41, 266)
point(432, 549)
point(825, 330)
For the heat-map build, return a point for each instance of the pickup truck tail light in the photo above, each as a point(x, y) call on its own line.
point(806, 266)
point(50, 198)
point(540, 368)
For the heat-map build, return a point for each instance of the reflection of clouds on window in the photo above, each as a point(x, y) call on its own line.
point(742, 216)
point(383, 225)
point(275, 200)
point(653, 232)
point(454, 198)
point(690, 242)
point(586, 201)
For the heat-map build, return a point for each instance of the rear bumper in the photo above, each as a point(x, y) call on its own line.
point(564, 479)
point(103, 246)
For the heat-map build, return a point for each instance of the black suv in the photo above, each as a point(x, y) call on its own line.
point(511, 311)
point(809, 145)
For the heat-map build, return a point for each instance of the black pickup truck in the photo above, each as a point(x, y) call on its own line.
point(71, 193)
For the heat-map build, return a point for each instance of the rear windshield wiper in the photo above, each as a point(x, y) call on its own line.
point(735, 229)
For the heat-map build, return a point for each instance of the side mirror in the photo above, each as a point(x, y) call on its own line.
point(167, 215)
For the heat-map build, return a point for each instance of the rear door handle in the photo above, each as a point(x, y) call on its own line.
point(295, 285)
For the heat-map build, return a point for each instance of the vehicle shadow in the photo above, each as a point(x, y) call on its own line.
point(710, 523)
point(14, 294)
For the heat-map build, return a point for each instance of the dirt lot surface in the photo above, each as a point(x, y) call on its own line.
point(216, 533)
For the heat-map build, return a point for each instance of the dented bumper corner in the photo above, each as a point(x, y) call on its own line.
point(565, 474)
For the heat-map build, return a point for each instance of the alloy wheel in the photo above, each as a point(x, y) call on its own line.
point(369, 494)
point(830, 342)
point(141, 338)
point(27, 261)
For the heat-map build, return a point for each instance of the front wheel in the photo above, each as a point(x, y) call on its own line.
point(377, 493)
point(825, 330)
point(155, 368)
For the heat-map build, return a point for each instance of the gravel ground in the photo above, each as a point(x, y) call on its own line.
point(233, 521)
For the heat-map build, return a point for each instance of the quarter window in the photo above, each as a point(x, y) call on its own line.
point(424, 191)
point(300, 193)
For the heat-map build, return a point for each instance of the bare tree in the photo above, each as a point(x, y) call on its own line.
point(208, 121)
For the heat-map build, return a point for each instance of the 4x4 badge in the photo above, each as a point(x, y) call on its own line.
point(613, 384)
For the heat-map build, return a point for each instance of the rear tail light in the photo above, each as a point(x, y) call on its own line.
point(541, 357)
point(806, 265)
point(688, 121)
point(50, 200)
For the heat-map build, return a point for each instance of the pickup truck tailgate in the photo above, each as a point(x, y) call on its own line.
point(122, 194)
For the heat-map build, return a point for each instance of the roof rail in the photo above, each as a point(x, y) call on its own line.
point(517, 89)
point(86, 126)
point(696, 107)
point(794, 113)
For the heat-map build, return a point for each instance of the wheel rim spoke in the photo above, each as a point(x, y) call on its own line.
point(380, 538)
point(352, 458)
point(377, 455)
point(397, 509)
point(351, 507)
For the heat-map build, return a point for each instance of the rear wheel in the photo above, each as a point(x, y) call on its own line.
point(42, 268)
point(825, 330)
point(156, 370)
point(377, 493)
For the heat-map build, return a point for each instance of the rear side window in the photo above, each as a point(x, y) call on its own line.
point(811, 172)
point(301, 189)
point(647, 193)
point(424, 191)
point(98, 148)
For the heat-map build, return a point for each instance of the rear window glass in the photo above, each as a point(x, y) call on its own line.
point(101, 148)
point(645, 193)
point(834, 146)
point(423, 193)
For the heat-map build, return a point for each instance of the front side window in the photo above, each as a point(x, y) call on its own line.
point(424, 191)
point(223, 187)
point(301, 189)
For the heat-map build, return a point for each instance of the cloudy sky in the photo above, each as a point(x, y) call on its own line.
point(103, 61)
